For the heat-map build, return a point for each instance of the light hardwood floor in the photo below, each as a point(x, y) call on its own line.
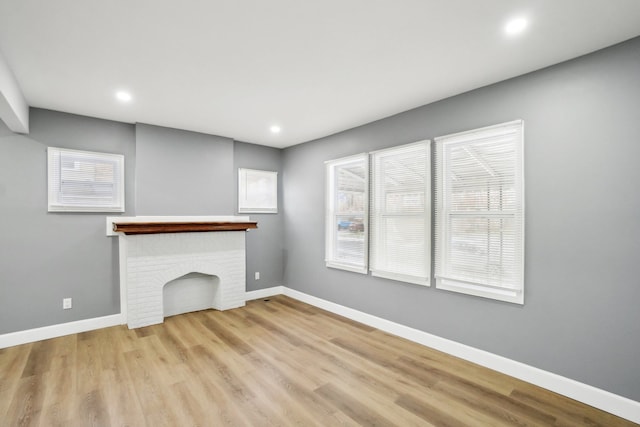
point(273, 362)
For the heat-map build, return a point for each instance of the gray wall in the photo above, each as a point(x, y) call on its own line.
point(265, 246)
point(183, 173)
point(186, 173)
point(582, 128)
point(45, 257)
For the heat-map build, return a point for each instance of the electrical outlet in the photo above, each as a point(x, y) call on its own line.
point(257, 275)
point(66, 303)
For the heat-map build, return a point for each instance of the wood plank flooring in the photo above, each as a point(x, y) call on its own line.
point(274, 362)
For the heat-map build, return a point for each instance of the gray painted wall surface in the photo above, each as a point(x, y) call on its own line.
point(183, 173)
point(187, 173)
point(45, 257)
point(582, 128)
point(265, 248)
point(177, 172)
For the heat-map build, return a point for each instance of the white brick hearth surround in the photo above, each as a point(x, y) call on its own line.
point(149, 261)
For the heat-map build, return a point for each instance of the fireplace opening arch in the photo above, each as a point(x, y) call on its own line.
point(190, 292)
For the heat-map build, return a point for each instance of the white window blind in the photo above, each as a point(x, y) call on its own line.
point(257, 191)
point(82, 181)
point(346, 213)
point(400, 213)
point(479, 230)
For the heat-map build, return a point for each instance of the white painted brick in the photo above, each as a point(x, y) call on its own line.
point(154, 260)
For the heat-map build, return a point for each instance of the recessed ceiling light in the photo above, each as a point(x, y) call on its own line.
point(123, 96)
point(275, 129)
point(515, 26)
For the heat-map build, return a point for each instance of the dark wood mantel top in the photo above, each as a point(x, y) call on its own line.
point(181, 227)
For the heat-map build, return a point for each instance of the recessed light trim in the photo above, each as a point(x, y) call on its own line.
point(275, 129)
point(123, 96)
point(516, 26)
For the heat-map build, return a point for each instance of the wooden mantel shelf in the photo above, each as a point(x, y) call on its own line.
point(181, 227)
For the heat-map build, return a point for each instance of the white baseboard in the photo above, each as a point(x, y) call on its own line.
point(54, 331)
point(31, 335)
point(264, 293)
point(601, 399)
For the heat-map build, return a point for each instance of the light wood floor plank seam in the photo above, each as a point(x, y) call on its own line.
point(274, 362)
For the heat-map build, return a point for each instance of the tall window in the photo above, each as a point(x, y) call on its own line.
point(83, 181)
point(400, 213)
point(480, 212)
point(346, 213)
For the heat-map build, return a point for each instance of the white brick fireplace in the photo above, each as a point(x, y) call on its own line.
point(152, 256)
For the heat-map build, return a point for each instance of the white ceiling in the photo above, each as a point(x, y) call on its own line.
point(235, 67)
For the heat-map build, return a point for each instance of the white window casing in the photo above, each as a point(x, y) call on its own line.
point(479, 224)
point(257, 191)
point(400, 213)
point(346, 213)
point(83, 181)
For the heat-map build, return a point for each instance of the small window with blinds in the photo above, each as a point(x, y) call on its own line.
point(400, 213)
point(479, 224)
point(83, 181)
point(346, 213)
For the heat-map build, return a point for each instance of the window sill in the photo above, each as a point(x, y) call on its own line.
point(508, 295)
point(347, 267)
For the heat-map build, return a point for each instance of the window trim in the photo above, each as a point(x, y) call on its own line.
point(330, 214)
point(246, 204)
point(513, 294)
point(54, 204)
point(374, 216)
